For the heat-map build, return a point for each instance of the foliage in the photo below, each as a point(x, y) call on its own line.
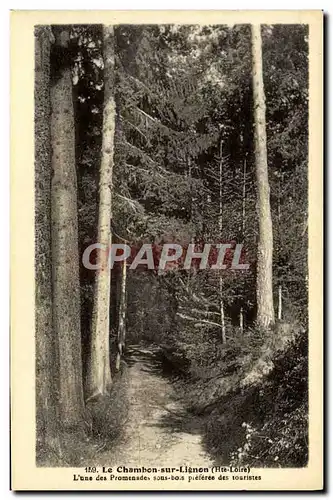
point(266, 424)
point(184, 142)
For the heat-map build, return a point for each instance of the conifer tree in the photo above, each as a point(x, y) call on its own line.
point(98, 372)
point(65, 253)
point(265, 306)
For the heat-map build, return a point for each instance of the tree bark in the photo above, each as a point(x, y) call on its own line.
point(222, 317)
point(241, 312)
point(241, 320)
point(65, 254)
point(122, 315)
point(46, 346)
point(265, 307)
point(244, 199)
point(98, 373)
point(280, 284)
point(280, 302)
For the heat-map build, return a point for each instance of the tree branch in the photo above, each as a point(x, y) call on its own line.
point(204, 321)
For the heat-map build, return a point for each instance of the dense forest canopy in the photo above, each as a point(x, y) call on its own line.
point(170, 136)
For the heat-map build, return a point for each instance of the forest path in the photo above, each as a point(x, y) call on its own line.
point(159, 431)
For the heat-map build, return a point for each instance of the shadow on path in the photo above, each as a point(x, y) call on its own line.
point(159, 429)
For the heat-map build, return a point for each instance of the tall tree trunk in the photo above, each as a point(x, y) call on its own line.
point(122, 315)
point(46, 346)
point(265, 307)
point(280, 285)
point(98, 373)
point(192, 270)
point(241, 313)
point(222, 316)
point(280, 303)
point(244, 199)
point(65, 254)
point(241, 320)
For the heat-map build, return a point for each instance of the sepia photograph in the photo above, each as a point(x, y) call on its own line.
point(171, 252)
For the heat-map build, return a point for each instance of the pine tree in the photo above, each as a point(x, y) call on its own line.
point(65, 256)
point(122, 314)
point(265, 312)
point(98, 372)
point(47, 376)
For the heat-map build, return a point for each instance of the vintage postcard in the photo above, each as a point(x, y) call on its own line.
point(166, 250)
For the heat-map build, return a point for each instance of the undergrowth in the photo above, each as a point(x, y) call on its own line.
point(252, 394)
point(107, 420)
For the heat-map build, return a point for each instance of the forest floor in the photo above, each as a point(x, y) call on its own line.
point(159, 431)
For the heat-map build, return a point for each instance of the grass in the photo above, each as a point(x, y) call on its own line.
point(108, 417)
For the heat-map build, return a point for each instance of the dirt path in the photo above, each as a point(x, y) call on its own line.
point(157, 430)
